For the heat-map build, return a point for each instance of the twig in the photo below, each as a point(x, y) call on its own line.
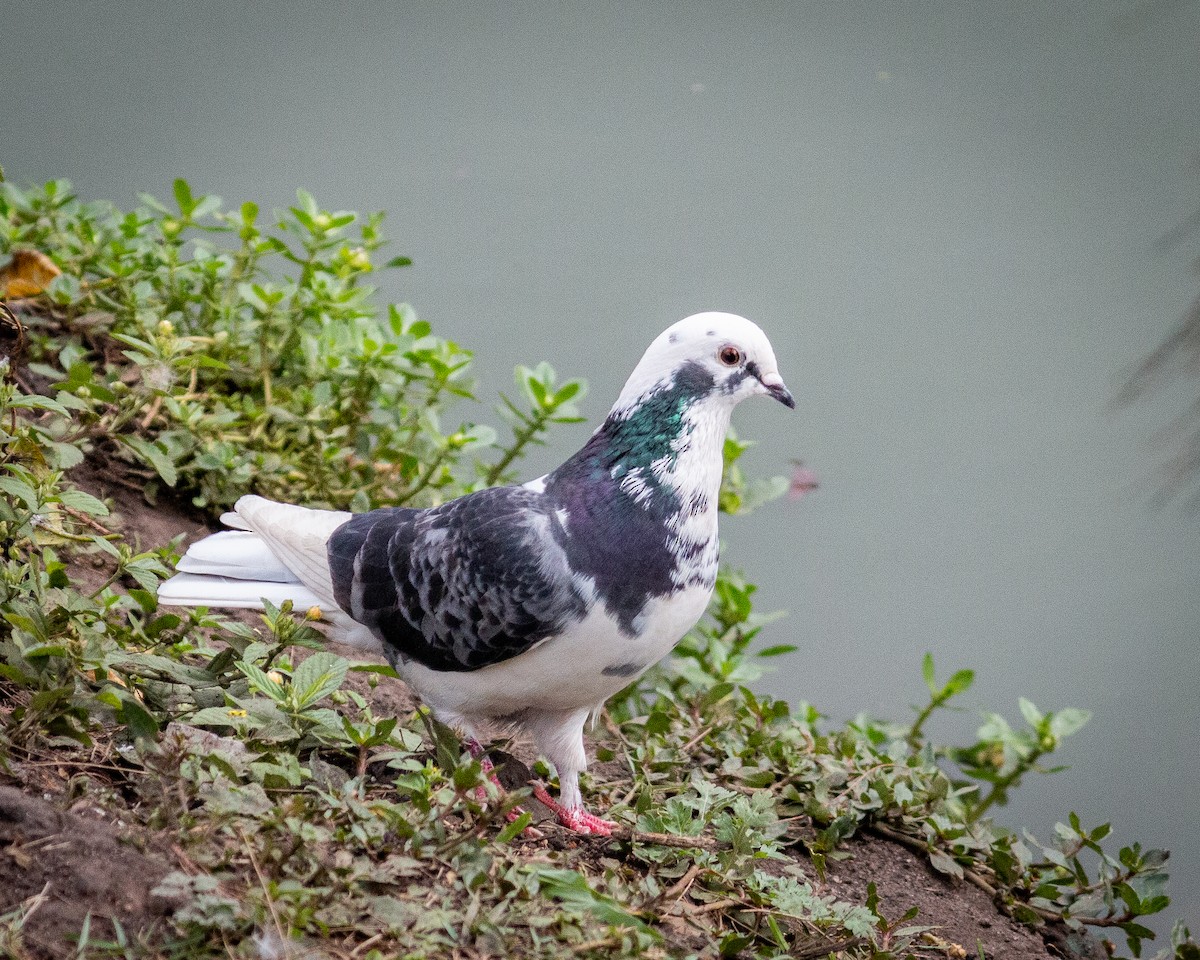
point(902, 838)
point(612, 727)
point(87, 521)
point(629, 795)
point(697, 738)
point(366, 944)
point(823, 948)
point(188, 863)
point(665, 839)
point(30, 905)
point(679, 889)
point(155, 406)
point(715, 906)
point(608, 941)
point(918, 846)
point(265, 888)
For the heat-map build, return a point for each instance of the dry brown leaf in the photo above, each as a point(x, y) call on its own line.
point(27, 274)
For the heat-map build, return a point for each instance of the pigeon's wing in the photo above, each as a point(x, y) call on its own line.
point(473, 582)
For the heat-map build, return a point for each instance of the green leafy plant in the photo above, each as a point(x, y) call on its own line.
point(218, 355)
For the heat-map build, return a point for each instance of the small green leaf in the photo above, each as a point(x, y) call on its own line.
point(1033, 716)
point(21, 491)
point(307, 203)
point(66, 455)
point(34, 401)
point(944, 863)
point(380, 668)
point(567, 391)
point(206, 205)
point(141, 723)
point(264, 683)
point(155, 454)
point(83, 502)
point(778, 650)
point(571, 888)
point(1068, 721)
point(959, 683)
point(317, 677)
point(183, 197)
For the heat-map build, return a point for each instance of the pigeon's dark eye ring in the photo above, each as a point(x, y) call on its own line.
point(729, 355)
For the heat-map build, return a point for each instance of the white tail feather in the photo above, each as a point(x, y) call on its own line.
point(203, 590)
point(233, 521)
point(297, 536)
point(278, 553)
point(234, 553)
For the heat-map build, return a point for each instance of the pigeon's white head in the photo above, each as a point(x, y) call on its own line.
point(722, 357)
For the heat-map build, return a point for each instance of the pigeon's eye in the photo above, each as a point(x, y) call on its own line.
point(729, 355)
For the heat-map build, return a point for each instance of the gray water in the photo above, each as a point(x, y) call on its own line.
point(945, 215)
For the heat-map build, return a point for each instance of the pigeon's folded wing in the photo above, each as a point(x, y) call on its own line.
point(474, 582)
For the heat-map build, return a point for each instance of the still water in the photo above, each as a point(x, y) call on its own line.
point(945, 215)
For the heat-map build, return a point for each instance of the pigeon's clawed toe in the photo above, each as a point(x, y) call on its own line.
point(526, 606)
point(576, 819)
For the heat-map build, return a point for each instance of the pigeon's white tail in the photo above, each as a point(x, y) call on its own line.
point(277, 553)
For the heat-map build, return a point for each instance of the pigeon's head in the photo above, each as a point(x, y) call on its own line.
point(719, 357)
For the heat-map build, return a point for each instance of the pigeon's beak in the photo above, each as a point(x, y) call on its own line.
point(778, 389)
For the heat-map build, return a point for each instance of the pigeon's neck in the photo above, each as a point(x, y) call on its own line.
point(637, 506)
point(663, 450)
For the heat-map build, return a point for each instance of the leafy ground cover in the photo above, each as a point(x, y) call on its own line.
point(183, 784)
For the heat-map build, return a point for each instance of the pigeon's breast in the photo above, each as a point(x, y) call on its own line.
point(581, 667)
point(620, 531)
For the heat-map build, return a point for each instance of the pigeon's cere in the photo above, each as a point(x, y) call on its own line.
point(525, 606)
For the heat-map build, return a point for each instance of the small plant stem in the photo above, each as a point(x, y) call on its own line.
point(172, 267)
point(992, 890)
point(265, 887)
point(427, 477)
point(264, 363)
point(698, 737)
point(88, 521)
point(914, 734)
point(589, 945)
point(521, 439)
point(243, 264)
point(1002, 785)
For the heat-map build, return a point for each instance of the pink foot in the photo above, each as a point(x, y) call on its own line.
point(576, 819)
point(475, 749)
point(489, 770)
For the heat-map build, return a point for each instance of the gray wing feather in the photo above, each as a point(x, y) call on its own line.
point(470, 583)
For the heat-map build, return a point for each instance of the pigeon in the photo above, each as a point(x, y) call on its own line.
point(524, 607)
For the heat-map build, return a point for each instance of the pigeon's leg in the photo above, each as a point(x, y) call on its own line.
point(559, 736)
point(476, 750)
point(470, 740)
